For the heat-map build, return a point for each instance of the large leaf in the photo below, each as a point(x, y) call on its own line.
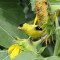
point(11, 15)
point(53, 58)
point(27, 55)
point(49, 58)
point(4, 55)
point(39, 58)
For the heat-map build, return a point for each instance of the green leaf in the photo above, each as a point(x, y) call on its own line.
point(52, 58)
point(41, 49)
point(33, 4)
point(55, 7)
point(7, 58)
point(57, 49)
point(57, 23)
point(11, 15)
point(54, 1)
point(57, 46)
point(49, 58)
point(39, 58)
point(3, 54)
point(27, 55)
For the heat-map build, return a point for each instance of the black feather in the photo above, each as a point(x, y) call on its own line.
point(38, 28)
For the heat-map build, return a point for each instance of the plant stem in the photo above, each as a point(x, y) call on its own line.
point(57, 45)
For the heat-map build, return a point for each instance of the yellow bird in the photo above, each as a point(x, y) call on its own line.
point(33, 31)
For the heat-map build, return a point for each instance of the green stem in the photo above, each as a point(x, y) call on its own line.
point(57, 45)
point(39, 41)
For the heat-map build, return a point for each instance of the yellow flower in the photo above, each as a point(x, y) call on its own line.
point(14, 50)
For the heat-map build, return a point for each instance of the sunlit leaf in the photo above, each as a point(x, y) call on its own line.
point(26, 56)
point(3, 54)
point(53, 58)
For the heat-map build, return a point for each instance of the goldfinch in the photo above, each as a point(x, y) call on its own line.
point(33, 31)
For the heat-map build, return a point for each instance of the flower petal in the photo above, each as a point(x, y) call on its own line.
point(11, 48)
point(15, 52)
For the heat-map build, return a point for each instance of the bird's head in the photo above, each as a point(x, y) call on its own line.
point(24, 26)
point(27, 26)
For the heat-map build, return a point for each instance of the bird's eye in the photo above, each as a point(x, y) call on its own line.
point(21, 25)
point(38, 28)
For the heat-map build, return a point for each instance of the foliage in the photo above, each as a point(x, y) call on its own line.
point(15, 12)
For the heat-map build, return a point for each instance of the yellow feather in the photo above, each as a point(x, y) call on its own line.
point(31, 31)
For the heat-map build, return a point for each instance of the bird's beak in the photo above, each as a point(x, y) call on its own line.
point(19, 28)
